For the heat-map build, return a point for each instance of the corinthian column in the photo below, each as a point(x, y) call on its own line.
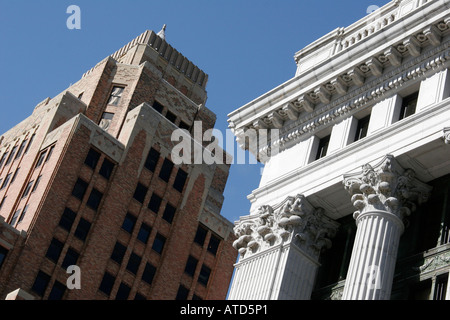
point(384, 195)
point(279, 250)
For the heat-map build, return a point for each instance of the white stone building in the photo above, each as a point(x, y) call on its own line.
point(355, 204)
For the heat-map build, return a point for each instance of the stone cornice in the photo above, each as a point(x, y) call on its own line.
point(387, 187)
point(313, 106)
point(294, 221)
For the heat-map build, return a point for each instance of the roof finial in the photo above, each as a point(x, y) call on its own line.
point(162, 33)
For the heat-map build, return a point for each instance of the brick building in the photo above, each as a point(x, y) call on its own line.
point(87, 180)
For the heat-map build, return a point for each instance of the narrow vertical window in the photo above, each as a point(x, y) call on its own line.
point(323, 147)
point(41, 158)
point(149, 273)
point(40, 283)
point(21, 148)
point(92, 158)
point(409, 104)
point(5, 183)
point(180, 180)
point(116, 95)
point(171, 116)
point(11, 156)
point(166, 170)
point(27, 189)
point(152, 160)
point(362, 128)
point(29, 143)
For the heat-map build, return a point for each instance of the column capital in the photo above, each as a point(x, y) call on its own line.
point(386, 187)
point(293, 221)
point(447, 135)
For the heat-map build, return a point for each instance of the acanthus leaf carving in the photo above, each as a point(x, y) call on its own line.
point(386, 187)
point(292, 221)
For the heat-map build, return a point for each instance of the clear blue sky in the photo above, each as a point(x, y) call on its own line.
point(245, 46)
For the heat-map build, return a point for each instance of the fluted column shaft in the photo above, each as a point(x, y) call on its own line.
point(384, 196)
point(372, 266)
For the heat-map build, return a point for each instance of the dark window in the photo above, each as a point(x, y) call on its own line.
point(54, 250)
point(171, 116)
point(41, 158)
point(184, 125)
point(440, 288)
point(15, 175)
point(23, 213)
point(196, 297)
point(36, 184)
point(11, 156)
point(123, 292)
point(158, 106)
point(106, 169)
point(182, 293)
point(15, 216)
point(27, 189)
point(94, 199)
point(29, 144)
point(155, 203)
point(2, 160)
point(67, 219)
point(140, 192)
point(363, 126)
point(107, 283)
point(50, 152)
point(79, 189)
point(144, 233)
point(149, 273)
point(166, 170)
point(21, 148)
point(200, 236)
point(158, 244)
point(152, 160)
point(57, 292)
point(203, 278)
point(133, 263)
point(191, 265)
point(118, 252)
point(213, 245)
point(169, 213)
point(92, 158)
point(128, 223)
point(70, 259)
point(323, 147)
point(2, 202)
point(139, 296)
point(409, 104)
point(116, 95)
point(40, 283)
point(180, 180)
point(83, 229)
point(3, 253)
point(5, 183)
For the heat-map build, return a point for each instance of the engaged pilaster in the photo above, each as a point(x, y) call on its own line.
point(384, 196)
point(279, 250)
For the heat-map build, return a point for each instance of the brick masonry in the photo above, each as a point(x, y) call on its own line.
point(65, 129)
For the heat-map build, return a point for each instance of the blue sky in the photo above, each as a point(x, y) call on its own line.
point(245, 46)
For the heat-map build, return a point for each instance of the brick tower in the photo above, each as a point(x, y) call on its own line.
point(88, 180)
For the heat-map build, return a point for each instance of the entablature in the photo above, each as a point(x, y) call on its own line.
point(295, 108)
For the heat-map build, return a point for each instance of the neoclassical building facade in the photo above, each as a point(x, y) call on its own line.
point(354, 199)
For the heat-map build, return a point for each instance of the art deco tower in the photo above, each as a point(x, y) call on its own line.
point(87, 180)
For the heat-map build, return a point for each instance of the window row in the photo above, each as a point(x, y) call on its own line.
point(124, 290)
point(16, 152)
point(170, 115)
point(214, 241)
point(41, 283)
point(54, 252)
point(407, 108)
point(191, 267)
point(68, 219)
point(166, 170)
point(95, 197)
point(155, 203)
point(92, 160)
